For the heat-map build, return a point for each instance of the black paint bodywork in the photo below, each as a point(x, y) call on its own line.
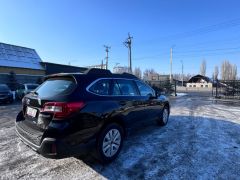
point(77, 134)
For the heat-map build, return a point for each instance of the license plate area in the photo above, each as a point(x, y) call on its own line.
point(31, 112)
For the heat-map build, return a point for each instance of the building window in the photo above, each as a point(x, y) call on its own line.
point(206, 86)
point(190, 85)
point(202, 86)
point(194, 85)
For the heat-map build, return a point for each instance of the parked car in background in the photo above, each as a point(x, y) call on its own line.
point(24, 89)
point(71, 114)
point(6, 95)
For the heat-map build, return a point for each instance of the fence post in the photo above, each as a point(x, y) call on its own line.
point(175, 84)
point(212, 89)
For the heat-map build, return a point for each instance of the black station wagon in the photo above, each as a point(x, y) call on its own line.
point(71, 114)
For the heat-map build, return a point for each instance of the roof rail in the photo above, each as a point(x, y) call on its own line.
point(97, 71)
point(129, 75)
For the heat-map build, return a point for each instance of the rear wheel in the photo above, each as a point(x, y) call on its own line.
point(163, 120)
point(109, 143)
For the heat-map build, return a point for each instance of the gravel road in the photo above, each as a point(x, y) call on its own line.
point(201, 141)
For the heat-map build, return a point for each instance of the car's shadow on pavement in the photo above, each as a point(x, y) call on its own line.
point(9, 104)
point(188, 147)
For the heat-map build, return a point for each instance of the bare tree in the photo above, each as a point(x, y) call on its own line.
point(223, 70)
point(148, 73)
point(228, 71)
point(137, 72)
point(120, 69)
point(216, 72)
point(188, 76)
point(234, 72)
point(203, 68)
point(177, 76)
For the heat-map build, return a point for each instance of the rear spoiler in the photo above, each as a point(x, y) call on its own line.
point(60, 75)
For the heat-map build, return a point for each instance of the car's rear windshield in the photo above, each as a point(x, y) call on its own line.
point(4, 87)
point(32, 86)
point(56, 86)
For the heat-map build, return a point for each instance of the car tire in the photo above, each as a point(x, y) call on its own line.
point(163, 120)
point(109, 143)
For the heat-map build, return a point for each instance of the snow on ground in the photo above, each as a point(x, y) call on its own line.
point(181, 94)
point(201, 141)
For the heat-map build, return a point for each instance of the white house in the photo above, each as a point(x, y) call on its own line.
point(199, 81)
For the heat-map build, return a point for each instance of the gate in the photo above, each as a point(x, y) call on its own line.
point(229, 89)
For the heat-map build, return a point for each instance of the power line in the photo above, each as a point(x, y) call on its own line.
point(208, 50)
point(185, 53)
point(200, 31)
point(222, 41)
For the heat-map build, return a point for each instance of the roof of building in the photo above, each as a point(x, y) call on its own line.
point(54, 68)
point(197, 78)
point(19, 57)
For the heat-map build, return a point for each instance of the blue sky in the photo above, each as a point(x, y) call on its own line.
point(75, 31)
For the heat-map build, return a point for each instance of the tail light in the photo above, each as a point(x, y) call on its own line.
point(61, 109)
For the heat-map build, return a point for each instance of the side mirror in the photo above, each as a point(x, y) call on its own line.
point(158, 93)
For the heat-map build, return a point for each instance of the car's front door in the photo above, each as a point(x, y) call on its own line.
point(152, 106)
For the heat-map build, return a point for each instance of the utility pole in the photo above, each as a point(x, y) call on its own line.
point(171, 51)
point(107, 50)
point(102, 64)
point(128, 44)
point(171, 61)
point(182, 72)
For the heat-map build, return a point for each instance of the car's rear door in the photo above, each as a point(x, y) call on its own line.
point(128, 97)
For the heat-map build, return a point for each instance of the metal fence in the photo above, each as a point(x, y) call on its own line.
point(164, 86)
point(227, 89)
point(221, 89)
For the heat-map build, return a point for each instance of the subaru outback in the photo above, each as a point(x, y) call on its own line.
point(71, 114)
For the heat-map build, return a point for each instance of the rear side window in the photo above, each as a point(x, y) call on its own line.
point(127, 87)
point(56, 86)
point(144, 89)
point(101, 87)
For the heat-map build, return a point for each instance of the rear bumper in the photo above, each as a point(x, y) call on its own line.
point(54, 148)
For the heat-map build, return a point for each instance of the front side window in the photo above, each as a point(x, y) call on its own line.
point(144, 89)
point(127, 87)
point(101, 87)
point(116, 90)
